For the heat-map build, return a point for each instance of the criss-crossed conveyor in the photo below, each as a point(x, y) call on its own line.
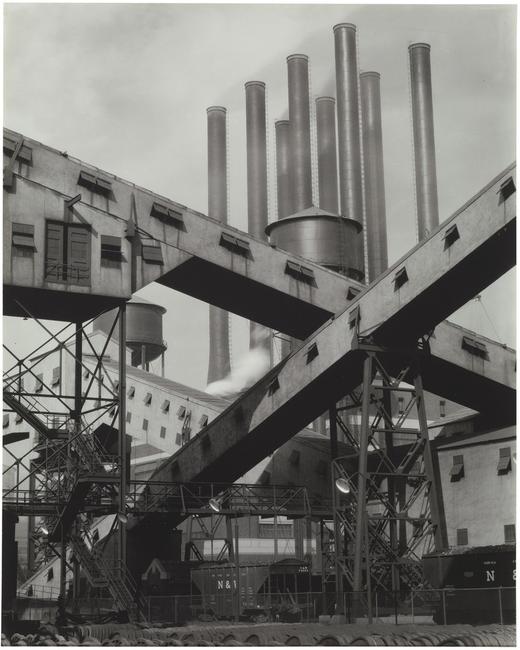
point(463, 256)
point(219, 264)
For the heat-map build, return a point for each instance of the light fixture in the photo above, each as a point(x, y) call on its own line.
point(215, 504)
point(44, 531)
point(343, 485)
point(122, 518)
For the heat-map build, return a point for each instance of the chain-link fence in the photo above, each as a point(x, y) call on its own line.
point(442, 606)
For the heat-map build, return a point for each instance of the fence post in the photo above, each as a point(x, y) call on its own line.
point(500, 605)
point(175, 610)
point(412, 608)
point(444, 606)
point(149, 619)
point(377, 606)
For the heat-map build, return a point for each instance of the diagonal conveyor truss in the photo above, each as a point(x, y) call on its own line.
point(463, 256)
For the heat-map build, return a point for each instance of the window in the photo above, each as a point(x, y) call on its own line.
point(56, 376)
point(442, 408)
point(178, 439)
point(163, 432)
point(148, 399)
point(25, 153)
point(294, 457)
point(474, 347)
point(400, 278)
point(450, 236)
point(273, 386)
point(131, 392)
point(181, 412)
point(267, 528)
point(111, 253)
point(145, 424)
point(165, 406)
point(504, 460)
point(128, 416)
point(151, 251)
point(50, 574)
point(67, 253)
point(169, 215)
point(38, 387)
point(300, 272)
point(462, 536)
point(457, 469)
point(23, 240)
point(312, 352)
point(235, 245)
point(400, 401)
point(203, 421)
point(95, 183)
point(509, 534)
point(6, 421)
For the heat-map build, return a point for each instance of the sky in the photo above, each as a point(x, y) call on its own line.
point(125, 87)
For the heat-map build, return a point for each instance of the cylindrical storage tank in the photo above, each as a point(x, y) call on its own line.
point(320, 236)
point(144, 329)
point(283, 164)
point(375, 209)
point(327, 158)
point(349, 141)
point(260, 336)
point(299, 131)
point(219, 364)
point(423, 139)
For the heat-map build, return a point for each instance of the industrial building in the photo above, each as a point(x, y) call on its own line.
point(366, 444)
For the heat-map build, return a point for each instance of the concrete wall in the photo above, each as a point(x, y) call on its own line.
point(482, 501)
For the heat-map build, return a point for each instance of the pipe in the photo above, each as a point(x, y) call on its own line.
point(219, 364)
point(423, 139)
point(257, 184)
point(375, 208)
point(299, 131)
point(283, 184)
point(327, 158)
point(349, 142)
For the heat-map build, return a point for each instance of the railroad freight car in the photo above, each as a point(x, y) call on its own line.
point(479, 584)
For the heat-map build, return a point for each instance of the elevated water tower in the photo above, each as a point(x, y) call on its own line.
point(144, 331)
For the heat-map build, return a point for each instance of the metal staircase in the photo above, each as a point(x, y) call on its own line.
point(101, 574)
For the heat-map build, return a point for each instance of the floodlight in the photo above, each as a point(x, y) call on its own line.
point(343, 485)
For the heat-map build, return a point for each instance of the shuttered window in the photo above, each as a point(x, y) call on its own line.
point(56, 375)
point(462, 537)
point(23, 239)
point(38, 386)
point(67, 253)
point(504, 460)
point(457, 469)
point(111, 253)
point(509, 534)
point(151, 251)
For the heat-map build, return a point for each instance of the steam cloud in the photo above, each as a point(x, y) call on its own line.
point(248, 369)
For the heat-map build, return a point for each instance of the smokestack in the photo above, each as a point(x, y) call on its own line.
point(327, 159)
point(219, 365)
point(257, 183)
point(283, 165)
point(423, 139)
point(299, 131)
point(256, 159)
point(349, 145)
point(375, 209)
